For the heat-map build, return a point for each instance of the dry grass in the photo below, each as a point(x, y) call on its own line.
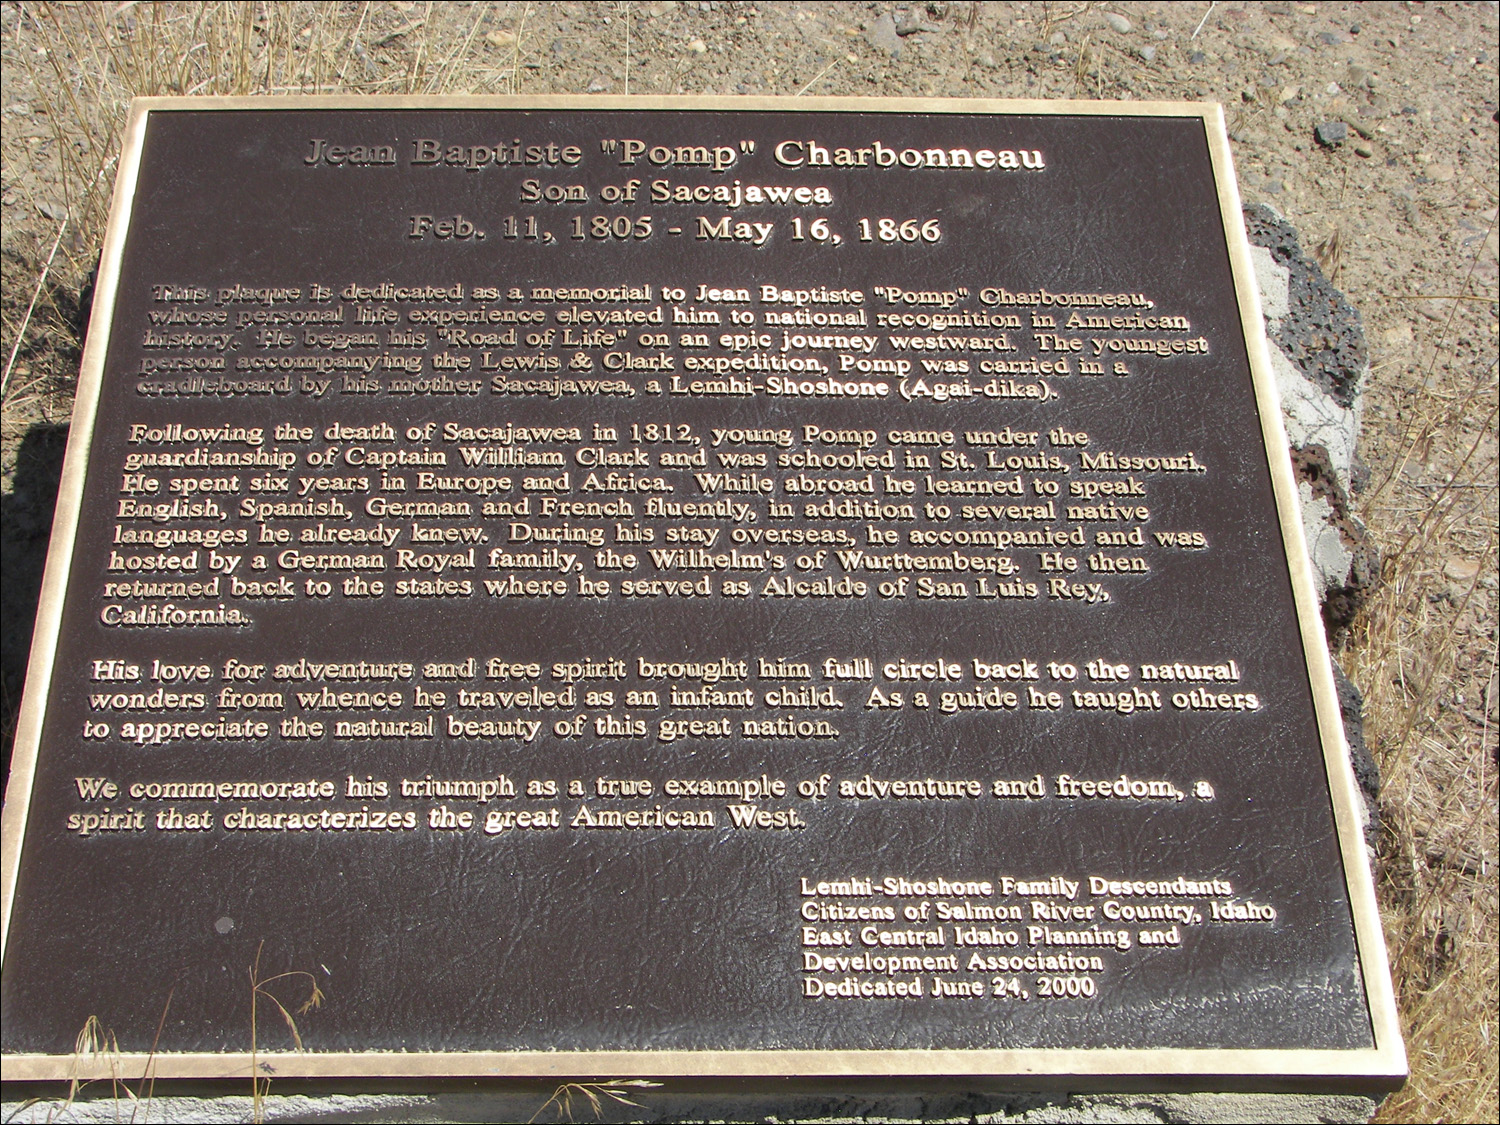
point(598, 1095)
point(1424, 652)
point(73, 69)
point(1419, 654)
point(260, 989)
point(97, 1044)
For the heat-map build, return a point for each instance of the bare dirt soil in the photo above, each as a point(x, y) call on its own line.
point(1398, 200)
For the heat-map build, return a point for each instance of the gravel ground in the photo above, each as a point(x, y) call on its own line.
point(1371, 127)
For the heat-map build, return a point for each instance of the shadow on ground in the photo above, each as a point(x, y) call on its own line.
point(25, 529)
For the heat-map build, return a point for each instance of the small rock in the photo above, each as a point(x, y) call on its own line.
point(1398, 337)
point(912, 24)
point(1148, 53)
point(882, 35)
point(1117, 22)
point(1196, 57)
point(1333, 38)
point(54, 211)
point(500, 38)
point(697, 46)
point(1363, 149)
point(1461, 570)
point(1331, 133)
point(987, 60)
point(598, 86)
point(1440, 173)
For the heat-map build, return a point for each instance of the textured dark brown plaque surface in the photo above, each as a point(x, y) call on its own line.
point(740, 590)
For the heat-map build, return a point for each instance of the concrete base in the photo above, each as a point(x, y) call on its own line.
point(664, 1105)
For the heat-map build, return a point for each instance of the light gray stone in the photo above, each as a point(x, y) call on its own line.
point(229, 1109)
point(1331, 557)
point(1220, 1109)
point(1274, 281)
point(882, 35)
point(1313, 417)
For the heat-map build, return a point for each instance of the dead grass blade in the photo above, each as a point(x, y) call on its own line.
point(593, 1093)
point(260, 988)
point(41, 281)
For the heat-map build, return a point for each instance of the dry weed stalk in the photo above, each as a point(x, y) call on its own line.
point(1330, 254)
point(260, 988)
point(95, 1040)
point(595, 1093)
point(20, 332)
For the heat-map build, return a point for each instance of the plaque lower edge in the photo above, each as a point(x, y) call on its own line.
point(1374, 1070)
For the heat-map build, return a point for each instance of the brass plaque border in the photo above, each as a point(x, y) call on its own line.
point(1380, 1068)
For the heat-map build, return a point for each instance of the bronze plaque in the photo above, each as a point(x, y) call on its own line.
point(709, 588)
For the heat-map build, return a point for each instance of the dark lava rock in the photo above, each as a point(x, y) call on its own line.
point(1322, 333)
point(1331, 133)
point(1323, 337)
